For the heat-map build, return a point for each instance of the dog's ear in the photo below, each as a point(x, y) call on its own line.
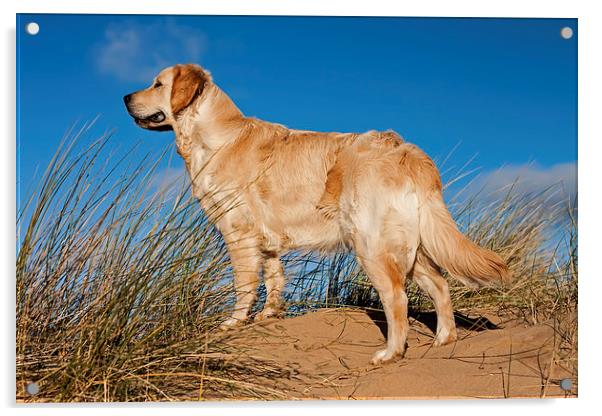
point(188, 83)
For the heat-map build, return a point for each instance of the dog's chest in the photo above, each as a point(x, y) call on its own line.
point(222, 200)
point(201, 174)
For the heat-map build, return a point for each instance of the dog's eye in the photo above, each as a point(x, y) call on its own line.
point(157, 85)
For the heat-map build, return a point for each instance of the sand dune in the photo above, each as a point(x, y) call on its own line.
point(328, 352)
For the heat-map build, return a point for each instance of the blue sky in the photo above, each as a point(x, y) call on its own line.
point(504, 90)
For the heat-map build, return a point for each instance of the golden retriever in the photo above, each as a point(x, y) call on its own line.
point(270, 189)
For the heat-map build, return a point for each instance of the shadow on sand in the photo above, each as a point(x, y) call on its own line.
point(429, 319)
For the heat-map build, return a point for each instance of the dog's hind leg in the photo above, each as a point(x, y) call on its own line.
point(427, 276)
point(246, 260)
point(273, 276)
point(387, 272)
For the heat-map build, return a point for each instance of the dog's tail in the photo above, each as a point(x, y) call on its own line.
point(450, 249)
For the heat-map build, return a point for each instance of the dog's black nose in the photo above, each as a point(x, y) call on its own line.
point(127, 98)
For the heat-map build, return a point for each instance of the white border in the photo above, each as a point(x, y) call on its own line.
point(589, 34)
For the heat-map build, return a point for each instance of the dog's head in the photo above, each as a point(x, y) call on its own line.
point(173, 90)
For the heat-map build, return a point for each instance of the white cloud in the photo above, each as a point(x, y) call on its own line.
point(559, 181)
point(134, 52)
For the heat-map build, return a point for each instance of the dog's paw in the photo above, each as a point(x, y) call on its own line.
point(268, 313)
point(445, 337)
point(384, 356)
point(230, 323)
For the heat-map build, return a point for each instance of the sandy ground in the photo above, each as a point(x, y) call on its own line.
point(328, 352)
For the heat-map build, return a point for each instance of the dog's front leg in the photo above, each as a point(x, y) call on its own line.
point(246, 259)
point(273, 276)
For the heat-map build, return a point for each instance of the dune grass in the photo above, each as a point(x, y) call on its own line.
point(121, 284)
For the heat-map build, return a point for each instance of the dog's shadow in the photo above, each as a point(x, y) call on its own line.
point(429, 319)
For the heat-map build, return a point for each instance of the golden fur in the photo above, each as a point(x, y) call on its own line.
point(270, 189)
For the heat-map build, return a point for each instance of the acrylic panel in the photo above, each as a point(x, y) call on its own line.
point(295, 208)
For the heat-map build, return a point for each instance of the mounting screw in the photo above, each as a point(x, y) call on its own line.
point(566, 32)
point(32, 389)
point(32, 28)
point(566, 384)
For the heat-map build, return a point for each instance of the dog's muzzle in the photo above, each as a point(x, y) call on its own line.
point(157, 117)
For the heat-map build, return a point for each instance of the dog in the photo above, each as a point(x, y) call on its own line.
point(270, 189)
